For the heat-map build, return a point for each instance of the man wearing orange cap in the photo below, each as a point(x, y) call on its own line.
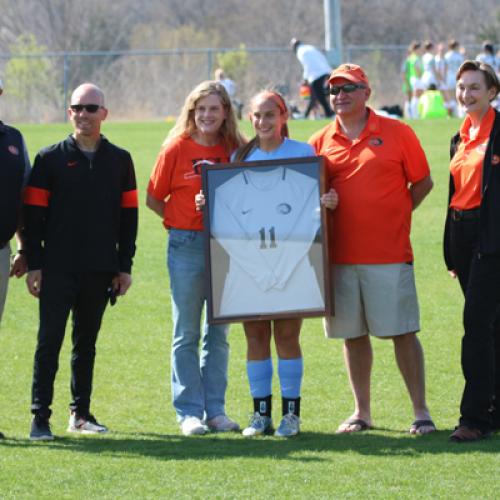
point(378, 174)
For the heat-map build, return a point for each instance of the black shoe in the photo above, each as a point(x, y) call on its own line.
point(40, 429)
point(2, 436)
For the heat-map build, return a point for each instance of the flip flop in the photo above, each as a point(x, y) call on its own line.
point(360, 423)
point(418, 424)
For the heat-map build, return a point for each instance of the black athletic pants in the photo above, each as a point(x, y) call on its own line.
point(479, 277)
point(85, 295)
point(318, 94)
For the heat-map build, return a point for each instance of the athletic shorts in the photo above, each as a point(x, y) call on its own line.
point(416, 83)
point(428, 79)
point(376, 299)
point(451, 82)
point(442, 86)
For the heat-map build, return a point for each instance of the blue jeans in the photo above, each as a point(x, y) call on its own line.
point(199, 379)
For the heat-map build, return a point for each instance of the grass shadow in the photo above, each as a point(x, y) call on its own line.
point(375, 443)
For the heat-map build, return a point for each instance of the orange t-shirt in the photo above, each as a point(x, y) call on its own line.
point(176, 178)
point(371, 224)
point(466, 166)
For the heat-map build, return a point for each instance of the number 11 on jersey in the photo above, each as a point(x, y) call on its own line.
point(272, 238)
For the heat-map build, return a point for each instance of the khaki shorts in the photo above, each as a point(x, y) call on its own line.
point(4, 275)
point(380, 299)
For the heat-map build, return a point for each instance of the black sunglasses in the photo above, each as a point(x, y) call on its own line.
point(89, 108)
point(347, 88)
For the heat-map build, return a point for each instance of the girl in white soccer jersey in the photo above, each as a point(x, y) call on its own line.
point(429, 66)
point(454, 60)
point(269, 115)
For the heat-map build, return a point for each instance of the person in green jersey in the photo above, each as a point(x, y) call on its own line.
point(431, 104)
point(412, 71)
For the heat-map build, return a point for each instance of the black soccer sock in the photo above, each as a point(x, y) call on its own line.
point(290, 406)
point(263, 406)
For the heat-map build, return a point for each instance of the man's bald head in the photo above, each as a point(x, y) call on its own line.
point(88, 93)
point(86, 112)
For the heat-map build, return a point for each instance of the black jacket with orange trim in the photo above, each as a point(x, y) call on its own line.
point(489, 216)
point(81, 214)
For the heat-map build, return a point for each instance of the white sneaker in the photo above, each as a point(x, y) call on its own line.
point(259, 424)
point(289, 426)
point(222, 423)
point(191, 426)
point(85, 425)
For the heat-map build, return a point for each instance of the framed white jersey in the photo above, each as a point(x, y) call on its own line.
point(266, 240)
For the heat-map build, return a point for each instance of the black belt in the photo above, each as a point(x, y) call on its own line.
point(465, 214)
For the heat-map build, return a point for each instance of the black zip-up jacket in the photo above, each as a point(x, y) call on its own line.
point(81, 214)
point(489, 216)
point(13, 166)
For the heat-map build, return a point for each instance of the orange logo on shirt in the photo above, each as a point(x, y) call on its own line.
point(13, 150)
point(495, 160)
point(376, 141)
point(72, 163)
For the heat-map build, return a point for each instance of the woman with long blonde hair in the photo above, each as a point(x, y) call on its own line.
point(205, 132)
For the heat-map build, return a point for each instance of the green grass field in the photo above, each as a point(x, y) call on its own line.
point(146, 457)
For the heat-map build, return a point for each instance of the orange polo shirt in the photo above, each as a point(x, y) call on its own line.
point(176, 179)
point(466, 166)
point(371, 224)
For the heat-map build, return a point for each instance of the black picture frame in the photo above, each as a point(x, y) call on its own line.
point(266, 240)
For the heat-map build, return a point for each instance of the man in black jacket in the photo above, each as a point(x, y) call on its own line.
point(14, 171)
point(81, 226)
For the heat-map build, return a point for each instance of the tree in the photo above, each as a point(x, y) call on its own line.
point(234, 63)
point(32, 79)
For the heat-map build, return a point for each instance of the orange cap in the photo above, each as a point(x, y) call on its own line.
point(351, 72)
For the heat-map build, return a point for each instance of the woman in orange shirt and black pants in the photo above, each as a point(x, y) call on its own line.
point(472, 247)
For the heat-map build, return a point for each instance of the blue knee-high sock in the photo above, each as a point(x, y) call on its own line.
point(290, 373)
point(260, 376)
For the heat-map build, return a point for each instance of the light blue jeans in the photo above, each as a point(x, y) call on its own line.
point(199, 378)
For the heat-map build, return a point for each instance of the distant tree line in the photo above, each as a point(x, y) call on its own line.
point(155, 86)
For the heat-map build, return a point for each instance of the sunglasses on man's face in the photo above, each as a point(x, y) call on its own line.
point(347, 88)
point(89, 108)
